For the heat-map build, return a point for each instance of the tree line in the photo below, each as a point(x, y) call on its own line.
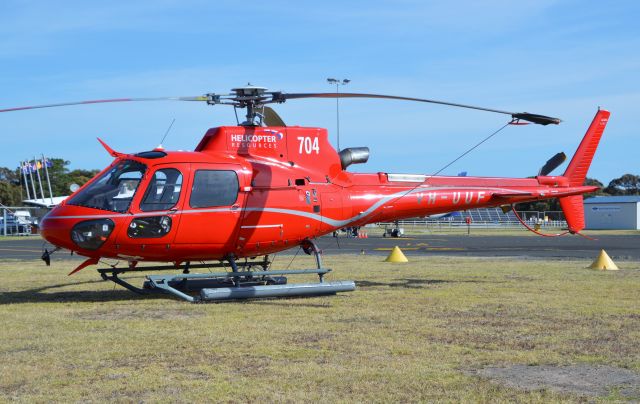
point(12, 187)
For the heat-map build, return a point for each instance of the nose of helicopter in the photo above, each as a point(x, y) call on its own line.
point(63, 227)
point(56, 230)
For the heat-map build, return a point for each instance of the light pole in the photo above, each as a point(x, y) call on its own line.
point(338, 83)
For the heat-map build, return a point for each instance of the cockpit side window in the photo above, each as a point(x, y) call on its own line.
point(163, 190)
point(214, 188)
point(114, 190)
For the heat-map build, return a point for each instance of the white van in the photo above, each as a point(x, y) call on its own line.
point(22, 216)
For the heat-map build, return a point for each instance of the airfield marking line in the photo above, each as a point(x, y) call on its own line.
point(19, 250)
point(404, 248)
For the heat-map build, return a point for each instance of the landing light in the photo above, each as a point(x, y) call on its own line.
point(91, 234)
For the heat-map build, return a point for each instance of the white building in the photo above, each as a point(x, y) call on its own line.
point(612, 212)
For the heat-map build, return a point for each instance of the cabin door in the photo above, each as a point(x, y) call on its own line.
point(212, 211)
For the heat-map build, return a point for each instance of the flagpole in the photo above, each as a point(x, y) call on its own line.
point(46, 171)
point(39, 178)
point(33, 183)
point(23, 168)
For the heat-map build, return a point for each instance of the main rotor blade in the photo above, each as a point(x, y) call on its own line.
point(525, 116)
point(65, 104)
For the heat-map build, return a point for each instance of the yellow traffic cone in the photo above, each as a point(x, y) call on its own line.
point(396, 256)
point(604, 262)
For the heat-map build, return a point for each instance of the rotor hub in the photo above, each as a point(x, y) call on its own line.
point(249, 91)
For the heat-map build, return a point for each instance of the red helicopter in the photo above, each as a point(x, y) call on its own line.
point(261, 187)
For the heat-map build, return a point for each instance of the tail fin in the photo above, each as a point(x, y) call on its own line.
point(579, 165)
point(573, 209)
point(573, 206)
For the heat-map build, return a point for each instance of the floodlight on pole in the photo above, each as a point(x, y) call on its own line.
point(338, 83)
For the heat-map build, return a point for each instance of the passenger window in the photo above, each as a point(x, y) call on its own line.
point(163, 191)
point(213, 188)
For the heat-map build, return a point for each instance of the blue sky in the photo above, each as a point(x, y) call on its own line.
point(559, 58)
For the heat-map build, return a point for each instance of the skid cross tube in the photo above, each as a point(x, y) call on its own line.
point(113, 277)
point(309, 247)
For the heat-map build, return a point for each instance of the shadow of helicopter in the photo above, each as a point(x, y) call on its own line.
point(41, 294)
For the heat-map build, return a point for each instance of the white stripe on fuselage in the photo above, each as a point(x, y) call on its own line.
point(314, 216)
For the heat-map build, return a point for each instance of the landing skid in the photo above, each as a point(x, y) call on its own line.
point(240, 283)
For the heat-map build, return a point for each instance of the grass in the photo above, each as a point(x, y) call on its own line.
point(410, 332)
point(12, 238)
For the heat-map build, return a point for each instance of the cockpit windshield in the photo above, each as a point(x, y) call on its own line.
point(114, 190)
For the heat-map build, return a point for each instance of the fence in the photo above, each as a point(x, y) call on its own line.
point(492, 218)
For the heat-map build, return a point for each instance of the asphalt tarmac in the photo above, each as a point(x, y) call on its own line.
point(624, 247)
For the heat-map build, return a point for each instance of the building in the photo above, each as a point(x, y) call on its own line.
point(612, 212)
